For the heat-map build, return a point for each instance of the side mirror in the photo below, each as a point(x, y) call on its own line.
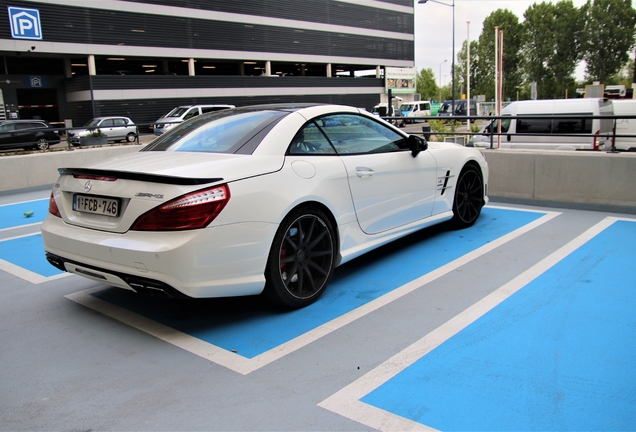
point(416, 144)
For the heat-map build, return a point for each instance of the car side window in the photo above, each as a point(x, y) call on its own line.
point(534, 125)
point(193, 112)
point(28, 125)
point(357, 134)
point(211, 109)
point(310, 140)
point(119, 122)
point(573, 125)
point(106, 123)
point(505, 125)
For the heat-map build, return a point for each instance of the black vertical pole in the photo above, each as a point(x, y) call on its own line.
point(389, 108)
point(90, 82)
point(634, 77)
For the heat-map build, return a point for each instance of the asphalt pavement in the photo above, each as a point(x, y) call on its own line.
point(522, 322)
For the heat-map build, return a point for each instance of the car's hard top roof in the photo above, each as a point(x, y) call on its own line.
point(22, 120)
point(278, 107)
point(107, 117)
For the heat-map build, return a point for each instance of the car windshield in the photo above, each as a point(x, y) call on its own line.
point(406, 107)
point(380, 110)
point(177, 112)
point(219, 132)
point(446, 107)
point(92, 123)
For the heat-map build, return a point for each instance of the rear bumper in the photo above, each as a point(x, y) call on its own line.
point(136, 283)
point(222, 261)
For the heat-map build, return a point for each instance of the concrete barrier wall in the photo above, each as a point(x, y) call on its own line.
point(594, 178)
point(40, 169)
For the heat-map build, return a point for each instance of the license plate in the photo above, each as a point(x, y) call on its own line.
point(96, 205)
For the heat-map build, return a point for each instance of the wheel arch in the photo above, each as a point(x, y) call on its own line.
point(475, 164)
point(327, 211)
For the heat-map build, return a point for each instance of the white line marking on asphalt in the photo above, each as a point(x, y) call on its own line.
point(23, 273)
point(244, 365)
point(20, 226)
point(346, 402)
point(28, 275)
point(24, 202)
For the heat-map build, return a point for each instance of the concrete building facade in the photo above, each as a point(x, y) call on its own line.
point(78, 59)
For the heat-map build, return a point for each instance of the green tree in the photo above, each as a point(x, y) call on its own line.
point(537, 42)
point(507, 22)
point(552, 46)
point(609, 36)
point(624, 76)
point(460, 67)
point(426, 85)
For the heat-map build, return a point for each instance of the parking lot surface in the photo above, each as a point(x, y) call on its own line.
point(522, 322)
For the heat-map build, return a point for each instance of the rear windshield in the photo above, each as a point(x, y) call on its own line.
point(223, 131)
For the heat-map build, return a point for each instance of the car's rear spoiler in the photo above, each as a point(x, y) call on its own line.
point(152, 178)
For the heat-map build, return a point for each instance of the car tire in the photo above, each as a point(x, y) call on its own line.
point(469, 197)
point(301, 259)
point(42, 144)
point(131, 137)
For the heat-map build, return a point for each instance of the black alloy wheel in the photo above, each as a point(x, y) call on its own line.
point(301, 259)
point(469, 197)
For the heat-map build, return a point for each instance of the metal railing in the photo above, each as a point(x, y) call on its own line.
point(62, 134)
point(611, 136)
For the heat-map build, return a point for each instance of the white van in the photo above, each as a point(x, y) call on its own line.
point(383, 110)
point(625, 126)
point(416, 109)
point(183, 113)
point(552, 133)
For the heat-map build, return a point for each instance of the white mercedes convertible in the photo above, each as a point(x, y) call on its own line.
point(268, 198)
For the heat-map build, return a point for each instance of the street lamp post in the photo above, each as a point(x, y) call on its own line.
point(440, 80)
point(452, 4)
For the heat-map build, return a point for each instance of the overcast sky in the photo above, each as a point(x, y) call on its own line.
point(434, 29)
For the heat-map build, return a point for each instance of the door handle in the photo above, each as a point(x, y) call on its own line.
point(364, 172)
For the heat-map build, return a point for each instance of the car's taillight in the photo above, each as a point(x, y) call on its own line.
point(596, 135)
point(94, 177)
point(192, 211)
point(53, 207)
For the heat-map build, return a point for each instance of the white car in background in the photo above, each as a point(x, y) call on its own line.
point(415, 109)
point(270, 197)
point(115, 128)
point(551, 124)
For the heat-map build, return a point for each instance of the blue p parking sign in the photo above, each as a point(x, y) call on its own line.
point(25, 23)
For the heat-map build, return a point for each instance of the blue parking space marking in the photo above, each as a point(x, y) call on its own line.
point(27, 252)
point(250, 332)
point(352, 286)
point(13, 215)
point(556, 355)
point(255, 332)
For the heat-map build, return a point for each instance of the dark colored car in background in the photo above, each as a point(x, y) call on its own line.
point(446, 108)
point(27, 134)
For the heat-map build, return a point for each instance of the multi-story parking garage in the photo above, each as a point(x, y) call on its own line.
point(72, 59)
